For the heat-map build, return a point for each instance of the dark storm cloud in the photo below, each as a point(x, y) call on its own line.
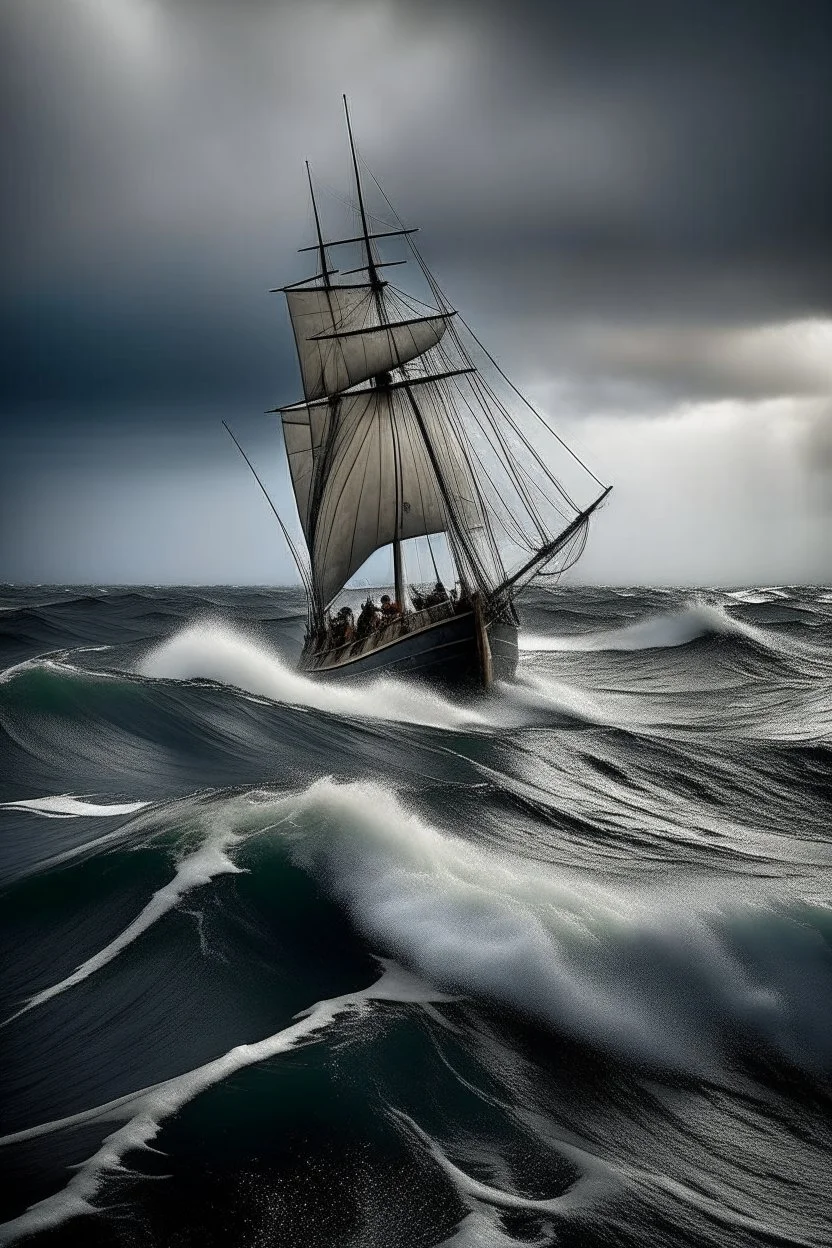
point(624, 198)
point(594, 159)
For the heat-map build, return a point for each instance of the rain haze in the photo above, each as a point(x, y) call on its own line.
point(630, 203)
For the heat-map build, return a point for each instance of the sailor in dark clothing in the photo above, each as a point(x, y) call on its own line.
point(389, 610)
point(438, 594)
point(343, 627)
point(367, 619)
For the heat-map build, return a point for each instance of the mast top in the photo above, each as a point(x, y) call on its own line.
point(375, 281)
point(321, 249)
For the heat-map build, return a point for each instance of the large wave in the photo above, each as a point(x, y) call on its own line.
point(214, 651)
point(142, 1113)
point(635, 973)
point(647, 979)
point(679, 983)
point(668, 629)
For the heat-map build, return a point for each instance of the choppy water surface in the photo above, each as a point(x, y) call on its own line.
point(307, 965)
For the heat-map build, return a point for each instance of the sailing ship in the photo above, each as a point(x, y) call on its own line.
point(404, 439)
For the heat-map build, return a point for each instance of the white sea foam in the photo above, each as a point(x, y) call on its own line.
point(193, 871)
point(656, 632)
point(755, 597)
point(646, 979)
point(594, 1181)
point(533, 692)
point(217, 652)
point(143, 1112)
point(66, 806)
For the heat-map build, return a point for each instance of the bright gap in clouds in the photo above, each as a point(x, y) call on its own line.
point(724, 490)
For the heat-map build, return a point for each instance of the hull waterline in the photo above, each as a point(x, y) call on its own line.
point(445, 652)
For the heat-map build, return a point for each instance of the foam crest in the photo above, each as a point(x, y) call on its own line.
point(212, 651)
point(533, 692)
point(194, 870)
point(68, 807)
point(647, 980)
point(657, 632)
point(594, 1181)
point(142, 1113)
point(756, 597)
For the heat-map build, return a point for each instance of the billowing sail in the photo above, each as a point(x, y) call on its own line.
point(322, 310)
point(340, 342)
point(359, 354)
point(305, 428)
point(380, 485)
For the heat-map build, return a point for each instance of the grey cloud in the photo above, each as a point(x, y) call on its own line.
point(614, 194)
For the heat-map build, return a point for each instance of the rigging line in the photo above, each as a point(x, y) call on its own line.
point(468, 449)
point(441, 299)
point(484, 349)
point(535, 485)
point(515, 467)
point(455, 518)
point(450, 415)
point(530, 406)
point(321, 247)
point(547, 553)
point(477, 386)
point(526, 442)
point(433, 560)
point(419, 487)
point(491, 394)
point(506, 467)
point(304, 575)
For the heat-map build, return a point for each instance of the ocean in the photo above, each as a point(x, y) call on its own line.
point(299, 965)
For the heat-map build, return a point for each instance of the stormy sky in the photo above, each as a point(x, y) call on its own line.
point(631, 202)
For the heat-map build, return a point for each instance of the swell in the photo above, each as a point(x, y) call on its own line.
point(653, 979)
point(631, 971)
point(142, 1113)
point(639, 976)
point(697, 620)
point(216, 652)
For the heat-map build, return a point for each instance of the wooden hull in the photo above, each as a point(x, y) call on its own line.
point(444, 652)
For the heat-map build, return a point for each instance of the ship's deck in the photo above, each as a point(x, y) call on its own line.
point(407, 625)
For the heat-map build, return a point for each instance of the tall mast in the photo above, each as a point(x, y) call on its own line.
point(321, 250)
point(371, 267)
point(377, 284)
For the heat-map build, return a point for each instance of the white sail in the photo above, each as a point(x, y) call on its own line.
point(380, 485)
point(353, 356)
point(305, 429)
point(341, 344)
point(321, 310)
point(298, 439)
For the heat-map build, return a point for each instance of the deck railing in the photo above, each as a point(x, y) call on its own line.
point(411, 622)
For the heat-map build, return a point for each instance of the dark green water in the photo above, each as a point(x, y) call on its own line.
point(302, 965)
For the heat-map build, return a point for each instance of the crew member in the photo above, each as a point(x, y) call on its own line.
point(367, 619)
point(389, 610)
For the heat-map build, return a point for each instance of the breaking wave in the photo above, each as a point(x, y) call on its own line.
point(599, 896)
point(213, 651)
point(676, 628)
point(647, 979)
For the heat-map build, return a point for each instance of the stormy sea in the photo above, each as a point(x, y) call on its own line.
point(293, 964)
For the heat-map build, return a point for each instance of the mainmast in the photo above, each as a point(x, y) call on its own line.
point(377, 285)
